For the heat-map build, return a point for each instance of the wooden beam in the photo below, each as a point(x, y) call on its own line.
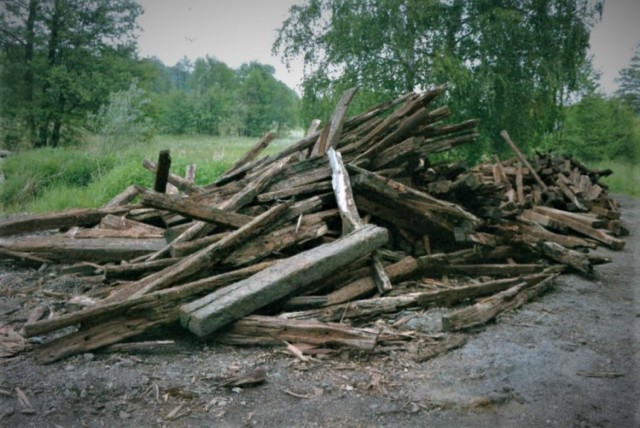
point(218, 309)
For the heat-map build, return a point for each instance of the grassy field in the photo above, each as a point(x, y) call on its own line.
point(625, 178)
point(83, 177)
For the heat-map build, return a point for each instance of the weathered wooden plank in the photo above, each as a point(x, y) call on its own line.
point(64, 249)
point(194, 210)
point(123, 198)
point(218, 309)
point(331, 133)
point(251, 154)
point(142, 305)
point(41, 222)
point(569, 220)
point(203, 259)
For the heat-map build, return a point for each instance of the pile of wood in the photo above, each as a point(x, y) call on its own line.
point(327, 242)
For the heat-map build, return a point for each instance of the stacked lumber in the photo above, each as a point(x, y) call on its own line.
point(320, 242)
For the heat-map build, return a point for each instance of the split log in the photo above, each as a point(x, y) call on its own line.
point(212, 312)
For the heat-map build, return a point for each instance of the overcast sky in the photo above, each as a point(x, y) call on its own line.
point(238, 31)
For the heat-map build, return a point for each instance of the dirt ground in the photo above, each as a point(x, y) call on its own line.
point(569, 359)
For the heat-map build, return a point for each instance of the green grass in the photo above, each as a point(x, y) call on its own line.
point(625, 178)
point(84, 177)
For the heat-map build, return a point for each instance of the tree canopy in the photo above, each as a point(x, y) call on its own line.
point(61, 59)
point(629, 81)
point(511, 63)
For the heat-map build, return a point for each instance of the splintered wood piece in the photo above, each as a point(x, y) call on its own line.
point(349, 213)
point(260, 330)
point(41, 222)
point(577, 260)
point(193, 210)
point(203, 259)
point(489, 308)
point(252, 377)
point(449, 343)
point(369, 308)
point(343, 193)
point(399, 194)
point(136, 270)
point(331, 133)
point(206, 315)
point(383, 283)
point(505, 136)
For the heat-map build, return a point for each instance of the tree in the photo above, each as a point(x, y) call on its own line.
point(511, 63)
point(629, 81)
point(63, 59)
point(599, 128)
point(265, 103)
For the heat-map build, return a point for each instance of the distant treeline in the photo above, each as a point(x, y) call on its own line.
point(208, 97)
point(71, 65)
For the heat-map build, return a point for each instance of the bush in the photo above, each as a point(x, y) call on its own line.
point(29, 174)
point(123, 120)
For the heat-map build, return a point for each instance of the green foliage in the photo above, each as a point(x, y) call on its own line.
point(210, 98)
point(123, 119)
point(511, 63)
point(47, 168)
point(599, 128)
point(84, 177)
point(62, 59)
point(629, 82)
point(625, 178)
